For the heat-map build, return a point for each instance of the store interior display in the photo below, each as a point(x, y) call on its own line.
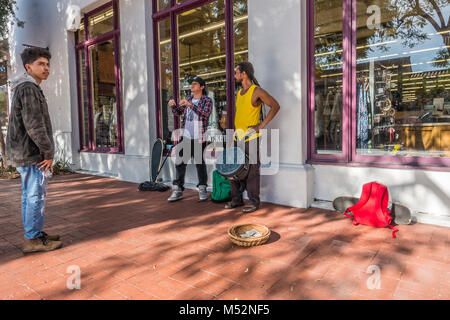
point(104, 96)
point(400, 94)
point(201, 52)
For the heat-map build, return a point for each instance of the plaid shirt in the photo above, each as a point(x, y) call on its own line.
point(203, 111)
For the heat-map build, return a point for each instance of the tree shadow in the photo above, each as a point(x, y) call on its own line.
point(120, 236)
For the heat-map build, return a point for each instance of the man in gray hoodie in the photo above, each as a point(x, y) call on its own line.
point(30, 147)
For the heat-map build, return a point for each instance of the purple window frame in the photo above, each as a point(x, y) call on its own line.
point(86, 46)
point(349, 156)
point(172, 13)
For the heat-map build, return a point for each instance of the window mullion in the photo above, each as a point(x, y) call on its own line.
point(229, 34)
point(175, 77)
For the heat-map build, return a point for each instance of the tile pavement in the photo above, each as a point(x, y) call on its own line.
point(134, 245)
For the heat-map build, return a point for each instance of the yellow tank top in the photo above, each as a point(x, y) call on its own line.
point(246, 114)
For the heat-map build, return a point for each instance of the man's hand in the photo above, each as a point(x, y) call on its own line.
point(255, 128)
point(46, 164)
point(185, 103)
point(172, 103)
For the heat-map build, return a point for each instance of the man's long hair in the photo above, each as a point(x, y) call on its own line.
point(247, 67)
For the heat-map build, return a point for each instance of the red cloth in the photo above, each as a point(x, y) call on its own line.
point(371, 209)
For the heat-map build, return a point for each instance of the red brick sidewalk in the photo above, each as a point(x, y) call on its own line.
point(134, 245)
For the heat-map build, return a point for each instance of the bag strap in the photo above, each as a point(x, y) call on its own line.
point(394, 230)
point(351, 217)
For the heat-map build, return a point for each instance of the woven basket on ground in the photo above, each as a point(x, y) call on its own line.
point(235, 231)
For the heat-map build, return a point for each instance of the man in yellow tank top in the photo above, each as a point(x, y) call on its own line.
point(247, 125)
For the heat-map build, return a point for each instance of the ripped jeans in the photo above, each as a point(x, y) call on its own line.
point(34, 192)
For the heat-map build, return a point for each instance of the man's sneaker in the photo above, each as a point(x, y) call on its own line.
point(40, 244)
point(50, 237)
point(202, 194)
point(177, 194)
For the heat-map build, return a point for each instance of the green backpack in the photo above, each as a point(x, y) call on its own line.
point(221, 188)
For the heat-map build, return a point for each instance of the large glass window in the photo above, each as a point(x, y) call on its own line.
point(99, 81)
point(328, 57)
point(202, 52)
point(104, 108)
point(403, 79)
point(101, 23)
point(202, 48)
point(379, 81)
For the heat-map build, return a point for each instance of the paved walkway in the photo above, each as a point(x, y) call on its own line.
point(134, 245)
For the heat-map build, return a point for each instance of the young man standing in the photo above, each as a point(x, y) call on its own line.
point(196, 109)
point(30, 147)
point(247, 125)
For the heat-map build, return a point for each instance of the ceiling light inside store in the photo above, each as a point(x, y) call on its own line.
point(100, 18)
point(207, 28)
point(210, 59)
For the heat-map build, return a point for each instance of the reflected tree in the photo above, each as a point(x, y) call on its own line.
point(400, 19)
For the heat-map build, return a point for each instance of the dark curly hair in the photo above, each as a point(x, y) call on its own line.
point(247, 67)
point(30, 55)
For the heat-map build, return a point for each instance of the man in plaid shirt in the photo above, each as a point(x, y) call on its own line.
point(196, 109)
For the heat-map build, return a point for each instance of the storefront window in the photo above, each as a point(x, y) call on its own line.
point(202, 52)
point(403, 79)
point(101, 23)
point(328, 58)
point(104, 105)
point(390, 60)
point(99, 82)
point(200, 44)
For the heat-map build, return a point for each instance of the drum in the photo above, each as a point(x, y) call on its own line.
point(233, 164)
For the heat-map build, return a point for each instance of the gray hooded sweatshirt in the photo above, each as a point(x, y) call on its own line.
point(30, 138)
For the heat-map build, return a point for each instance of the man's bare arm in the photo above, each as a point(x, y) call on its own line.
point(263, 96)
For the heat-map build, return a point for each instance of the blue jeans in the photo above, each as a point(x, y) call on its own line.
point(34, 191)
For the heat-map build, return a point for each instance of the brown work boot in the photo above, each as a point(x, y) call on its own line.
point(40, 244)
point(50, 237)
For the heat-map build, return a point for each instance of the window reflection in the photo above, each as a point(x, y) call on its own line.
point(202, 52)
point(163, 4)
point(101, 23)
point(104, 95)
point(403, 79)
point(328, 38)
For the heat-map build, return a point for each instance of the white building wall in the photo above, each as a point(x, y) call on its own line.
point(277, 49)
point(426, 193)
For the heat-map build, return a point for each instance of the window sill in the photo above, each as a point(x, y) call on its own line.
point(428, 167)
point(101, 151)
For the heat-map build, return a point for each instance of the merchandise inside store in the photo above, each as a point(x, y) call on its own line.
point(400, 85)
